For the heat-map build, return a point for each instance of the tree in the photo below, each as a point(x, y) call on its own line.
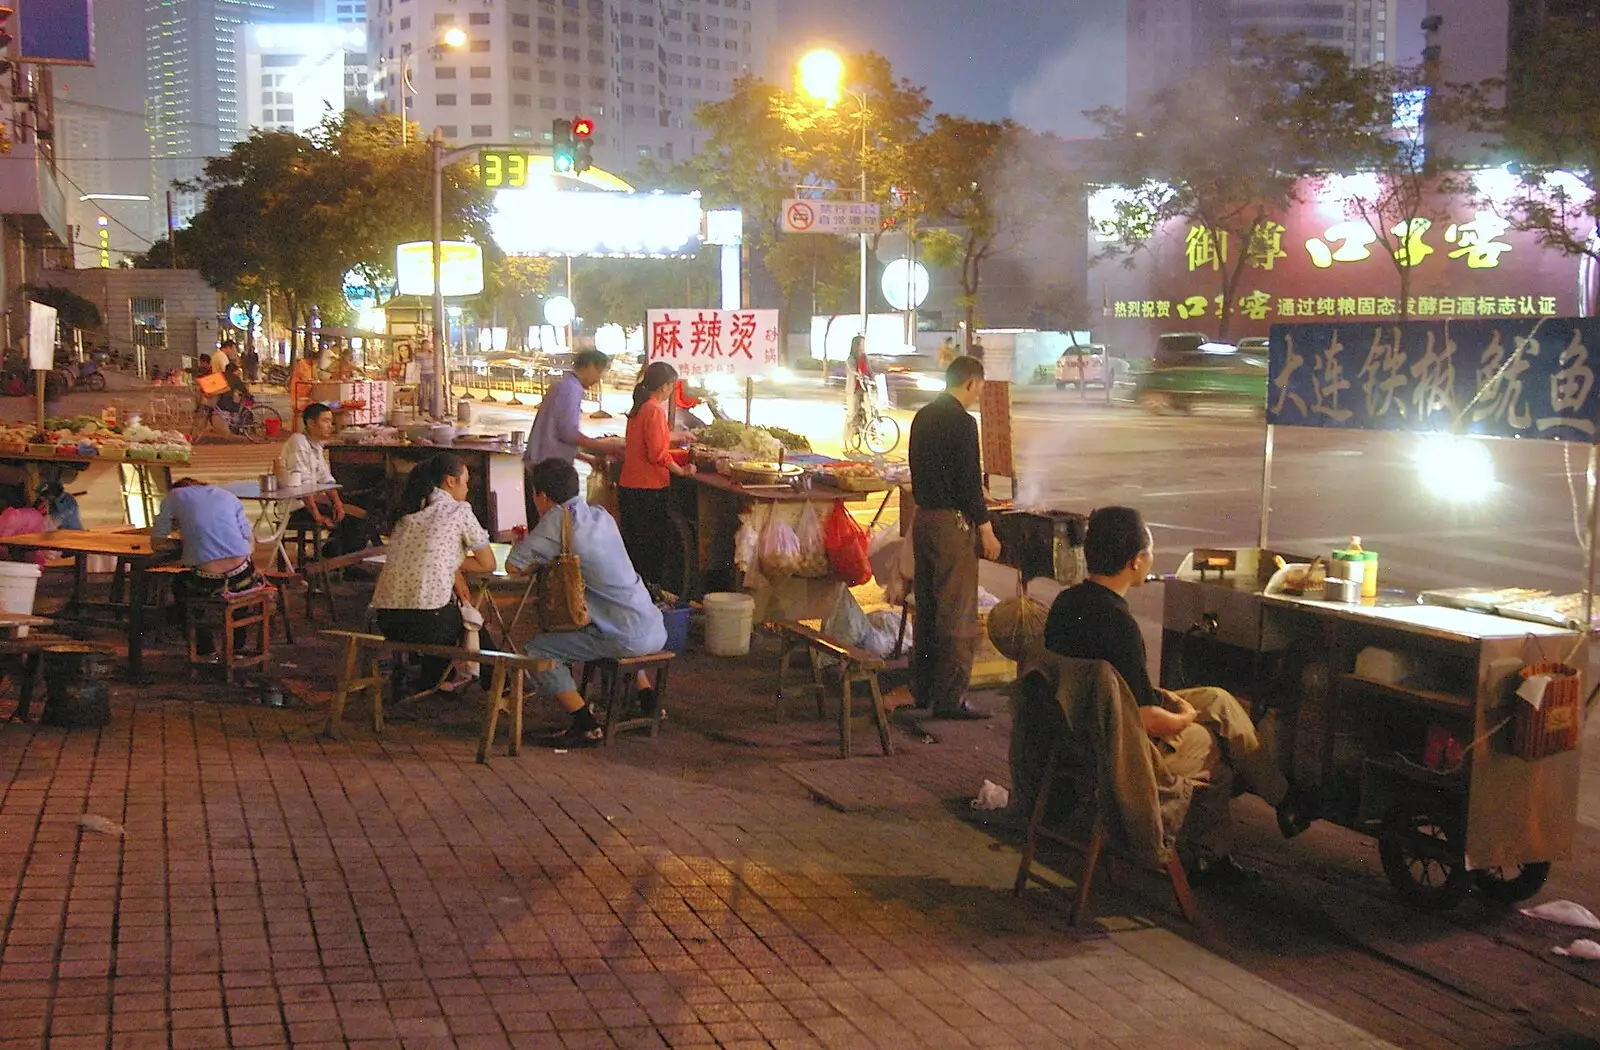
point(1549, 126)
point(1224, 149)
point(513, 284)
point(991, 185)
point(619, 291)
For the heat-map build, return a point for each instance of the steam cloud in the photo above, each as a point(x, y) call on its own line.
point(1089, 70)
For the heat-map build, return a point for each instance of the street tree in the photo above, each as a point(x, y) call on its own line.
point(1224, 151)
point(1544, 118)
point(985, 188)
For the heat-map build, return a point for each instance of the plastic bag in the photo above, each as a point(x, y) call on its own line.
point(22, 521)
point(780, 549)
point(848, 624)
point(747, 544)
point(847, 547)
point(813, 552)
point(883, 556)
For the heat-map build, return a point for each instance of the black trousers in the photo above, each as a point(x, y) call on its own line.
point(441, 626)
point(645, 530)
point(346, 537)
point(197, 584)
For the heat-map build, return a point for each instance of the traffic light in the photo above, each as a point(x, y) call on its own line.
point(582, 149)
point(561, 146)
point(6, 24)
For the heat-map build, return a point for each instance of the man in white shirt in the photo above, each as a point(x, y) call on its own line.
point(306, 452)
point(223, 356)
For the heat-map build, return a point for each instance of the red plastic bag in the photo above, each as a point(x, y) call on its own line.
point(847, 547)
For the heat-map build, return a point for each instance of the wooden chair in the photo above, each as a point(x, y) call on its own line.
point(619, 686)
point(230, 614)
point(1073, 758)
point(857, 667)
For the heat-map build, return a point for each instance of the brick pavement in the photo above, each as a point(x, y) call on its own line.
point(274, 889)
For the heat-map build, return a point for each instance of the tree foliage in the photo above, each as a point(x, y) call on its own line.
point(1549, 126)
point(72, 309)
point(1225, 149)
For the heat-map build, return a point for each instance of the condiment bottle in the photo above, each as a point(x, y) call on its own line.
point(1369, 574)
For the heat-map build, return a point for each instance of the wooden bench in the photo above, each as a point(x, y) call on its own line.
point(856, 667)
point(362, 648)
point(230, 614)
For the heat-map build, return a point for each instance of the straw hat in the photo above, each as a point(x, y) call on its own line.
point(1016, 627)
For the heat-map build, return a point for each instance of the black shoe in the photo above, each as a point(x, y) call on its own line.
point(1296, 812)
point(1221, 871)
point(575, 738)
point(647, 702)
point(965, 713)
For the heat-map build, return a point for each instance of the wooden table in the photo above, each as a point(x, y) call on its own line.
point(134, 548)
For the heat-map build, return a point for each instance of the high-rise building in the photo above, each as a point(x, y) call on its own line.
point(638, 67)
point(291, 77)
point(1169, 38)
point(341, 12)
point(103, 146)
point(192, 86)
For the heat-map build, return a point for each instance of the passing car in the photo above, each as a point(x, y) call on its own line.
point(1085, 366)
point(1213, 374)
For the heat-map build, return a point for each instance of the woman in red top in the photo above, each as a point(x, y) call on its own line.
point(647, 469)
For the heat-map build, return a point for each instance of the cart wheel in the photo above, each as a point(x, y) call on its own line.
point(1422, 856)
point(1513, 884)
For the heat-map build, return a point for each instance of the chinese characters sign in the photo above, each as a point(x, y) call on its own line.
point(714, 342)
point(838, 217)
point(1317, 262)
point(1522, 378)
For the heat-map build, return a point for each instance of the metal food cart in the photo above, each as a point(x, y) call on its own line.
point(1398, 714)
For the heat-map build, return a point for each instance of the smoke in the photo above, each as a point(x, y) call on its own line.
point(1087, 71)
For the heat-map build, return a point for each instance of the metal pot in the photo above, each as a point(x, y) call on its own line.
point(1337, 590)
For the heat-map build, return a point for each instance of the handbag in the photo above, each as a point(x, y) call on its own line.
point(559, 600)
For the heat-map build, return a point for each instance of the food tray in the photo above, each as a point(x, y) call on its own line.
point(13, 448)
point(768, 474)
point(848, 483)
point(41, 450)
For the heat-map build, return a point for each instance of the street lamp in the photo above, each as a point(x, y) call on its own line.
point(454, 39)
point(821, 74)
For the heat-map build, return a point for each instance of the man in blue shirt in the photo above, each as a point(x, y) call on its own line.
point(623, 621)
point(218, 544)
point(555, 433)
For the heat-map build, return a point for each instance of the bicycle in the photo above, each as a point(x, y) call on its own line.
point(252, 421)
point(871, 429)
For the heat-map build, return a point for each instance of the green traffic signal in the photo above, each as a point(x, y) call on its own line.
point(562, 150)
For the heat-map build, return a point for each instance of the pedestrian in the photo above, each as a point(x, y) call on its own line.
point(218, 548)
point(420, 592)
point(223, 356)
point(976, 350)
point(948, 351)
point(427, 394)
point(950, 529)
point(623, 621)
point(301, 379)
point(643, 492)
point(555, 432)
point(252, 364)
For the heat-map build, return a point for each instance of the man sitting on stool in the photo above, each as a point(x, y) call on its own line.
point(307, 452)
point(218, 544)
point(623, 621)
point(1204, 734)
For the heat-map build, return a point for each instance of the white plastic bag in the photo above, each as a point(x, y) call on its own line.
point(780, 549)
point(813, 549)
point(1567, 913)
point(848, 624)
point(747, 544)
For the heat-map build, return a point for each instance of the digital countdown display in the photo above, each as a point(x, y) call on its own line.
point(503, 169)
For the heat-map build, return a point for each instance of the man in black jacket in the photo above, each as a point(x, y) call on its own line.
point(951, 528)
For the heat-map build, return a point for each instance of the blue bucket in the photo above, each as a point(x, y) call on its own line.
point(676, 618)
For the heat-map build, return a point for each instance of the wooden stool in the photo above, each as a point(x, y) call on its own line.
point(856, 667)
point(280, 581)
point(619, 686)
point(229, 613)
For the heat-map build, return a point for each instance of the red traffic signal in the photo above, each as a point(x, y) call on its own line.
point(582, 127)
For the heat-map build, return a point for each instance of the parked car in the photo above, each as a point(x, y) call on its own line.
point(1084, 366)
point(1210, 373)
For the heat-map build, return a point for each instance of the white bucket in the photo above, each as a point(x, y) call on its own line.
point(18, 582)
point(729, 619)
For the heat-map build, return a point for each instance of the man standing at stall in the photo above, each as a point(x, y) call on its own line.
point(555, 433)
point(1204, 734)
point(950, 529)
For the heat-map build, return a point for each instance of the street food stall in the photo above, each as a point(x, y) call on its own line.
point(1445, 722)
point(372, 465)
point(31, 458)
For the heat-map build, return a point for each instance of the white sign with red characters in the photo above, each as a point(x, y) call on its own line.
point(715, 342)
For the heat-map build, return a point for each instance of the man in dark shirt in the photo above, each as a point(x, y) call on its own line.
point(1205, 733)
point(951, 525)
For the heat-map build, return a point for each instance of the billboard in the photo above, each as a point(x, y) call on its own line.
point(55, 32)
point(1318, 263)
point(460, 268)
point(1512, 377)
point(714, 342)
point(629, 225)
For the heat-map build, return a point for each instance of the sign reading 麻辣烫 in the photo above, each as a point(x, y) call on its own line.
point(714, 342)
point(1530, 378)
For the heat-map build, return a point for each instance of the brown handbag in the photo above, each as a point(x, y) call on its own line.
point(559, 600)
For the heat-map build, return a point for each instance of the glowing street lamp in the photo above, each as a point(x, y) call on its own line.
point(821, 74)
point(454, 39)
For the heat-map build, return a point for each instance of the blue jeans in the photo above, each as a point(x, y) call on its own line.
point(567, 648)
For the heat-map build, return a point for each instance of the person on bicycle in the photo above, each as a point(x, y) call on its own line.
point(237, 395)
point(857, 379)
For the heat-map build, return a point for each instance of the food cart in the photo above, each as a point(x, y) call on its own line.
point(1398, 712)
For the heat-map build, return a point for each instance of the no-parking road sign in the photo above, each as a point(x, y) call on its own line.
point(846, 218)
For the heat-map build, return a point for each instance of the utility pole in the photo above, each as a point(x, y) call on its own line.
point(441, 323)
